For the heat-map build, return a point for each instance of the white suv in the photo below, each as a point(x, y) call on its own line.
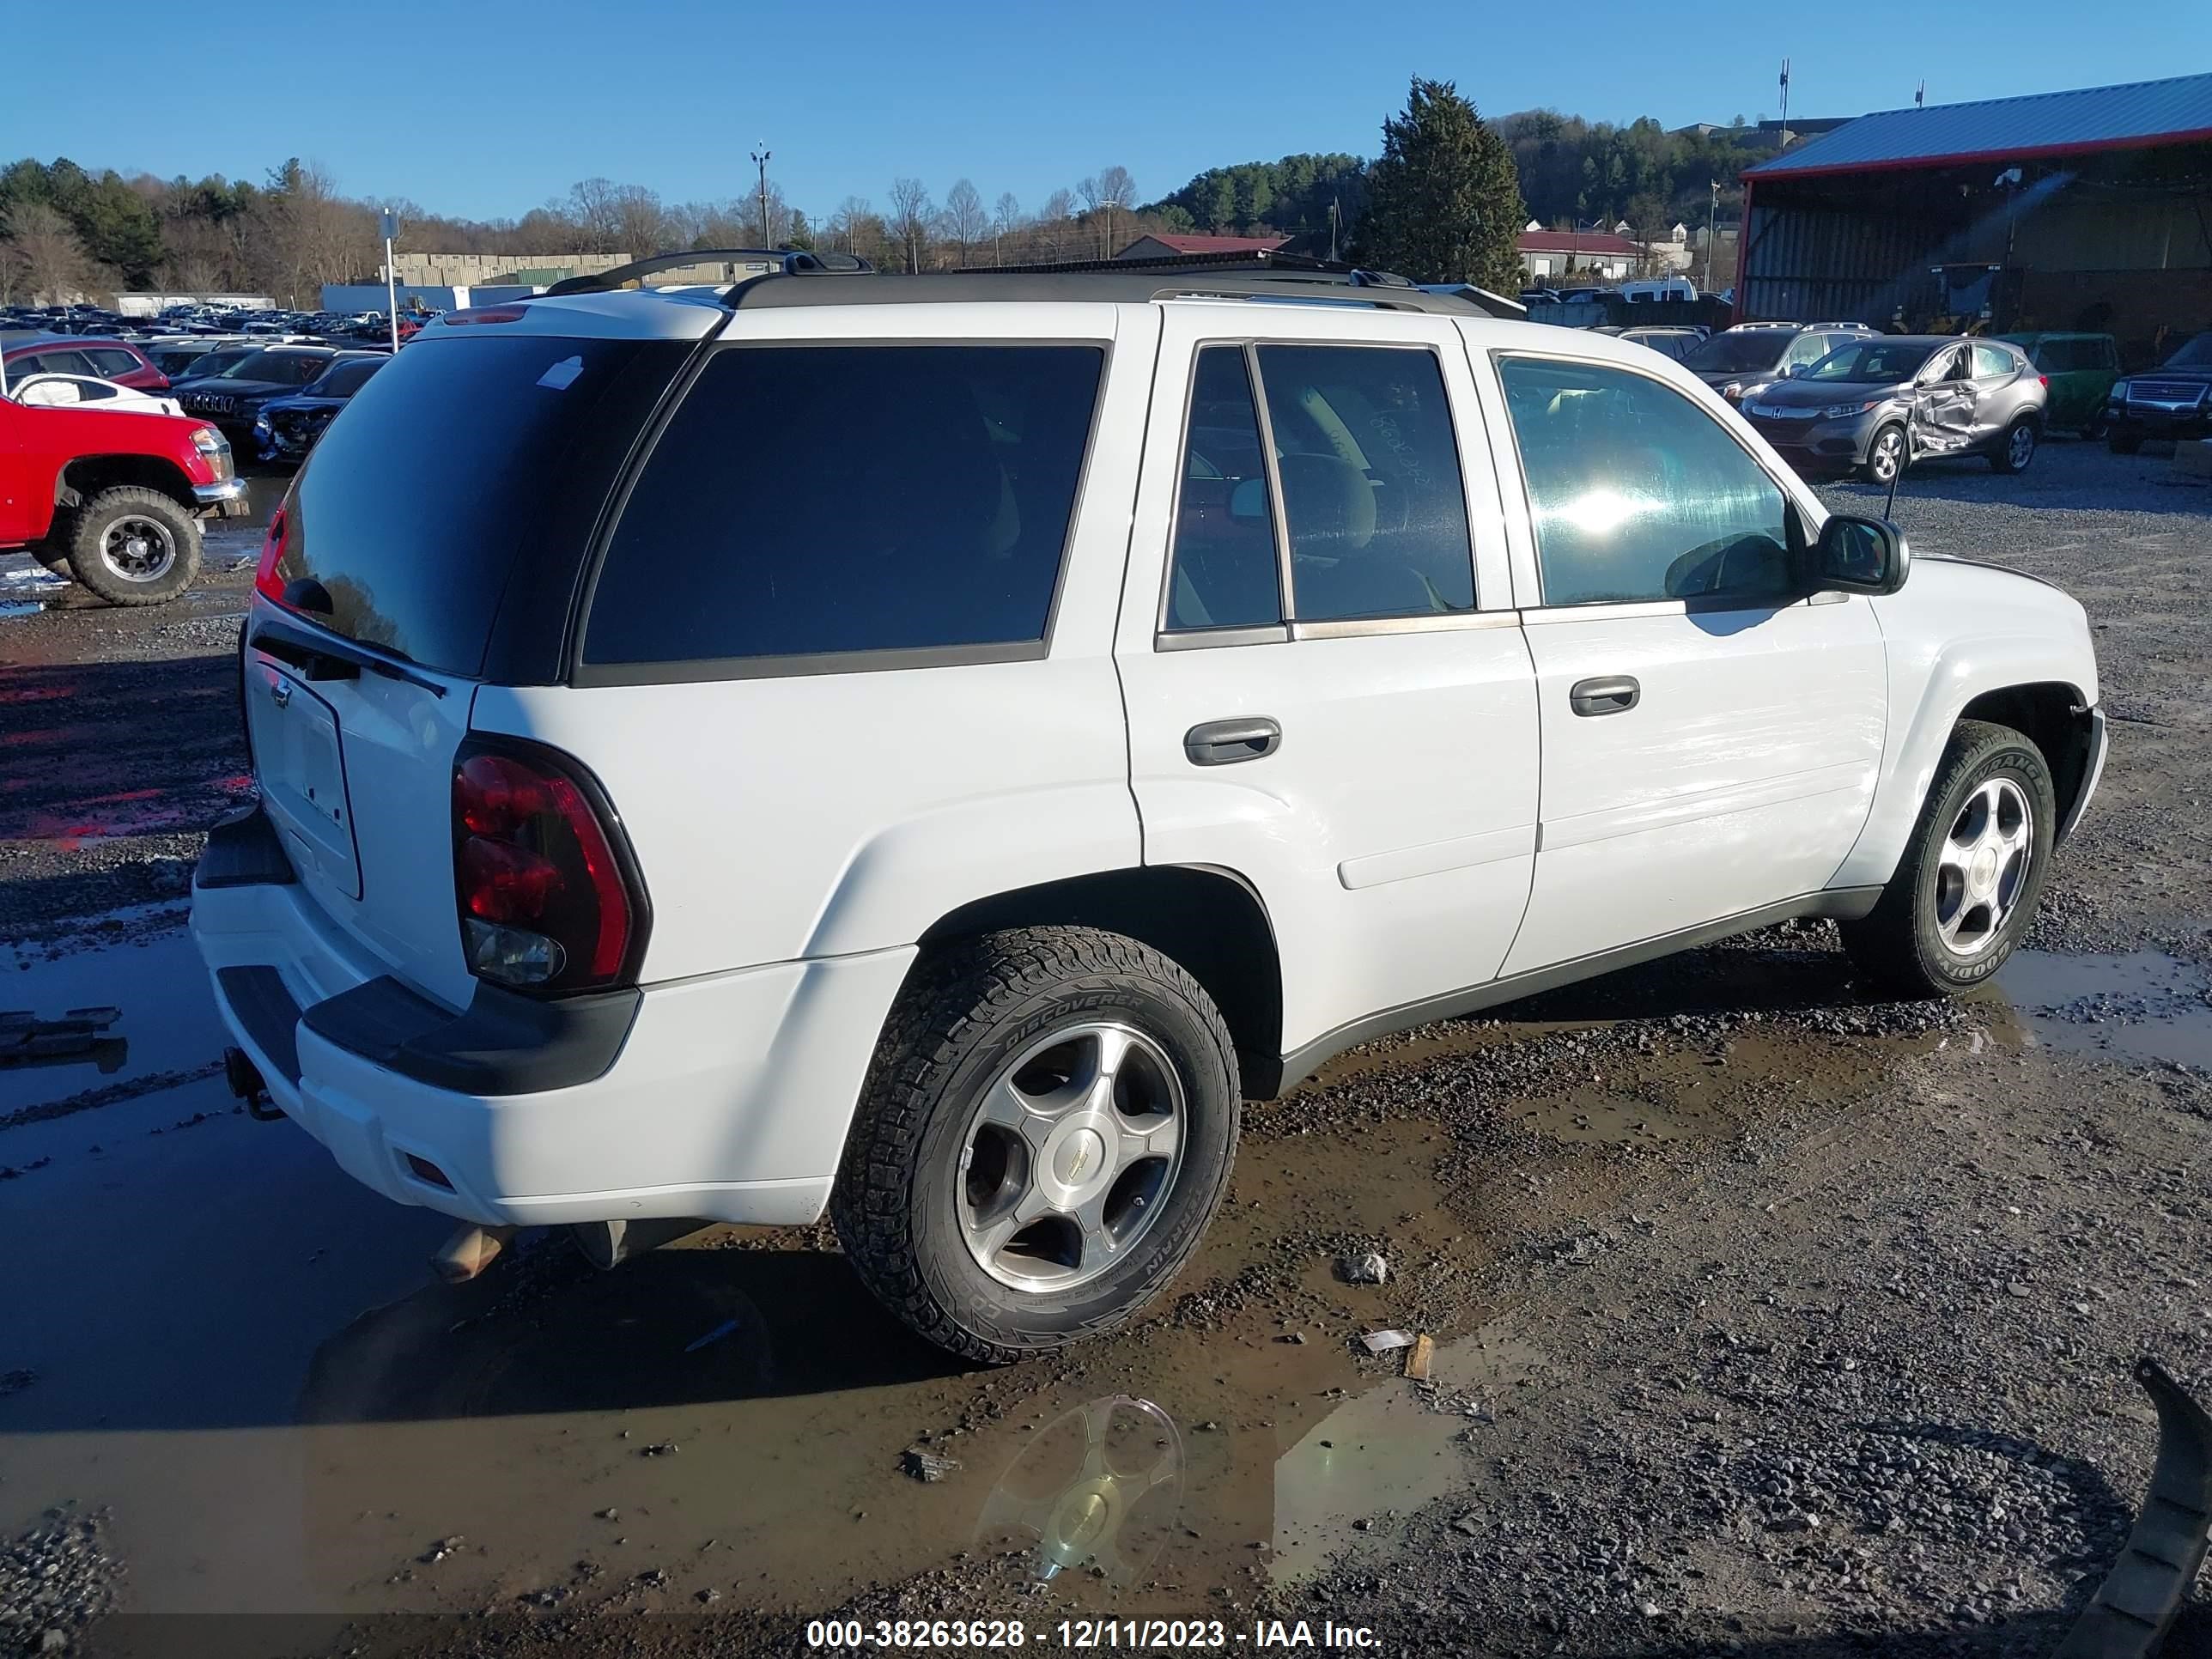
point(930, 747)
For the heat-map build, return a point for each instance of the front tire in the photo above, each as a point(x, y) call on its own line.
point(1885, 455)
point(1973, 871)
point(134, 546)
point(1044, 1135)
point(2016, 449)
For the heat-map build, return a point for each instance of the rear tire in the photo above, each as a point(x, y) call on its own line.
point(929, 1177)
point(1952, 914)
point(134, 546)
point(2016, 449)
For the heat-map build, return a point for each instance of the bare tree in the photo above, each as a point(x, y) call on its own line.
point(911, 212)
point(964, 218)
point(592, 207)
point(1056, 221)
point(641, 222)
point(1116, 188)
point(1004, 217)
point(850, 222)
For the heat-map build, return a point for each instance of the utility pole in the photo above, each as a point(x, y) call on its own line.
point(1712, 232)
point(760, 160)
point(1920, 96)
point(1333, 212)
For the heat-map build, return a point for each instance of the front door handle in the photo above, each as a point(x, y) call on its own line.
point(1615, 694)
point(1221, 743)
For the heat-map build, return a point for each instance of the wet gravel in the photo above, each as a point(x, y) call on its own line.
point(56, 1578)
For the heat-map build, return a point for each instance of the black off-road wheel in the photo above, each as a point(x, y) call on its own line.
point(1045, 1132)
point(1973, 871)
point(134, 546)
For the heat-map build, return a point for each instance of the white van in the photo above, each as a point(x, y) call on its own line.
point(1668, 288)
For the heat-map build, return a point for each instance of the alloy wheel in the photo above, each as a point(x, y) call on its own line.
point(1068, 1160)
point(1983, 866)
point(138, 548)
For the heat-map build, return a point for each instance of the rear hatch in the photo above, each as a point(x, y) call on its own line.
point(432, 543)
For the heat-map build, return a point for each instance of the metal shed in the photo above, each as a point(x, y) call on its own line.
point(2083, 209)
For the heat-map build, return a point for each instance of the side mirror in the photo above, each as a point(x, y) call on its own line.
point(1861, 555)
point(1788, 371)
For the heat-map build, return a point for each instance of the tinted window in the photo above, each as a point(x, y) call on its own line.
point(1752, 352)
point(1635, 494)
point(64, 362)
point(2197, 353)
point(343, 380)
point(820, 499)
point(108, 360)
point(283, 367)
point(1225, 574)
point(1807, 348)
point(1370, 481)
point(464, 461)
point(1993, 362)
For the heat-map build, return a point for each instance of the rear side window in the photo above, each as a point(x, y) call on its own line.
point(1993, 362)
point(460, 463)
point(1225, 571)
point(813, 500)
point(1371, 489)
point(112, 361)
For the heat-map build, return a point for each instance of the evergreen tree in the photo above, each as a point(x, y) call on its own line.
point(1443, 202)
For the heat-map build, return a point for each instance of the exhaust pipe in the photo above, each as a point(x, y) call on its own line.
point(608, 1244)
point(469, 1252)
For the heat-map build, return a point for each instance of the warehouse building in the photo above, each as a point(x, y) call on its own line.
point(2082, 210)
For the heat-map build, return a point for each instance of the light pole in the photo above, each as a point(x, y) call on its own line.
point(1712, 232)
point(388, 222)
point(760, 160)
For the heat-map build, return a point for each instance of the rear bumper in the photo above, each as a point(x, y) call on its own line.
point(726, 1098)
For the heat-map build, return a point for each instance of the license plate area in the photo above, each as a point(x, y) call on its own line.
point(299, 762)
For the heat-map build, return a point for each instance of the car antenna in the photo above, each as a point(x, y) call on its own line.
point(1889, 507)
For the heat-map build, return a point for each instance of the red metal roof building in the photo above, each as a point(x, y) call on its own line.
point(2060, 210)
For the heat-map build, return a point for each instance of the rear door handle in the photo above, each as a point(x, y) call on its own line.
point(1615, 694)
point(1221, 743)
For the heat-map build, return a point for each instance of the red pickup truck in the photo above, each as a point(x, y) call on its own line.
point(113, 497)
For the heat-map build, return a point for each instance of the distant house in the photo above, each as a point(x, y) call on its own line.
point(1170, 247)
point(1607, 255)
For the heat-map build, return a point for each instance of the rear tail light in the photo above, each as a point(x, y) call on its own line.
point(267, 580)
point(548, 894)
point(2043, 381)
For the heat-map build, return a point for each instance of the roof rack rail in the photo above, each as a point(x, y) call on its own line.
point(1263, 275)
point(787, 261)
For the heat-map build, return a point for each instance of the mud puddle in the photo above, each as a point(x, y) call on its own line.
point(247, 1363)
point(2143, 1005)
point(149, 999)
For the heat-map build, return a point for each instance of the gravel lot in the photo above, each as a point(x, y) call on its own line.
point(1770, 1320)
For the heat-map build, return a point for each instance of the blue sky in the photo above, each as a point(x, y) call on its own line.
point(486, 111)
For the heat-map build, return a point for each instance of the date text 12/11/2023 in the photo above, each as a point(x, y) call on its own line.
point(1086, 1634)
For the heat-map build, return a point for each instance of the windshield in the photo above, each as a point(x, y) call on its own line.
point(1875, 361)
point(343, 380)
point(1739, 354)
point(215, 362)
point(2198, 354)
point(285, 367)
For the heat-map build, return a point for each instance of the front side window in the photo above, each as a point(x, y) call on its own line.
point(1372, 496)
point(1635, 494)
point(812, 500)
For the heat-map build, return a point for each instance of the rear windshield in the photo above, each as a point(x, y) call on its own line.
point(285, 367)
point(853, 498)
point(459, 463)
point(343, 380)
point(1740, 354)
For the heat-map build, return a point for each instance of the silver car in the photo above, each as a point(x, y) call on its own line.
point(1873, 405)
